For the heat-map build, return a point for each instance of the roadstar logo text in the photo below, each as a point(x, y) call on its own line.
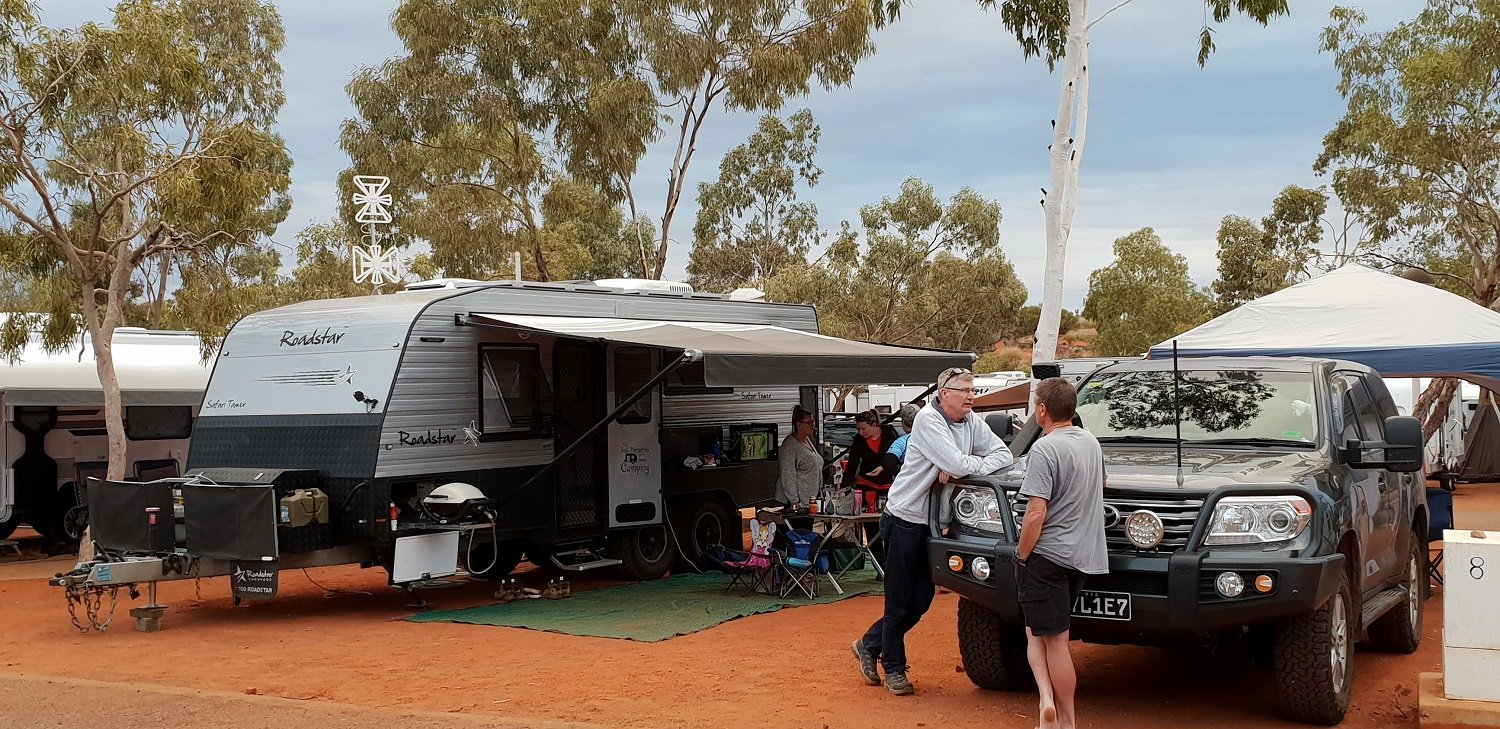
point(315, 337)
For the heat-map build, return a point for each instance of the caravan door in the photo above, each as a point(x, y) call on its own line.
point(634, 460)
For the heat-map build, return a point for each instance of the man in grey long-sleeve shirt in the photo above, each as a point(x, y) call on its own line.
point(948, 440)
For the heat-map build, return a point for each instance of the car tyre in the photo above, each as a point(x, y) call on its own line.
point(993, 651)
point(1314, 657)
point(1399, 630)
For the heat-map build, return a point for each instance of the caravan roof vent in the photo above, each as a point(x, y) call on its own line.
point(645, 284)
point(745, 294)
point(441, 283)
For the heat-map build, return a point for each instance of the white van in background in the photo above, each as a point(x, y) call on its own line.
point(1445, 449)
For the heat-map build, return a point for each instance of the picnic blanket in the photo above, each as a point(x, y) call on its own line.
point(647, 611)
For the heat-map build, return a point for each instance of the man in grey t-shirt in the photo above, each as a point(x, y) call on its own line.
point(1062, 540)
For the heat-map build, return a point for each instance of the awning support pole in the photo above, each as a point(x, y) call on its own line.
point(687, 356)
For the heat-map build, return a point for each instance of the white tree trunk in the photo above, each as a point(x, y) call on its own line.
point(1067, 153)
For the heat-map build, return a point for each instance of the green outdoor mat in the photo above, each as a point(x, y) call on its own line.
point(648, 611)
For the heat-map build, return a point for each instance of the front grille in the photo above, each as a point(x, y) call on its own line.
point(1135, 583)
point(1177, 518)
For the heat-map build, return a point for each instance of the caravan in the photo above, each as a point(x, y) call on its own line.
point(53, 436)
point(574, 425)
point(1445, 452)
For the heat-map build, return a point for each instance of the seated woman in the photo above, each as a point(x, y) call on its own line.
point(866, 469)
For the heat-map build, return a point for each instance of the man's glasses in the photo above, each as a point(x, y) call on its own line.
point(967, 391)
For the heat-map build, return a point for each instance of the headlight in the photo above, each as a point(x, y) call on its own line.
point(1258, 519)
point(978, 508)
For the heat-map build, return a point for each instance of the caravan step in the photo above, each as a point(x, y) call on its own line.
point(579, 560)
point(1380, 604)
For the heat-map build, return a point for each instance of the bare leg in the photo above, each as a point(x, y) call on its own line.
point(1063, 677)
point(1037, 656)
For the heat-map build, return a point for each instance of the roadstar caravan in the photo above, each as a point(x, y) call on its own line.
point(575, 425)
point(53, 437)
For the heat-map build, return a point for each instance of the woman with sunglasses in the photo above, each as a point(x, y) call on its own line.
point(801, 464)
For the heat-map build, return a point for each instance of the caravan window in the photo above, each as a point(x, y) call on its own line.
point(158, 422)
point(514, 397)
point(632, 371)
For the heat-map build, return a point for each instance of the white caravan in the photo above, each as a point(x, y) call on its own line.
point(53, 436)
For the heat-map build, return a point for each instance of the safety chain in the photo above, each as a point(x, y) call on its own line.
point(92, 600)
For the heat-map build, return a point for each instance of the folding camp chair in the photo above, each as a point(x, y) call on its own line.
point(801, 562)
point(1440, 516)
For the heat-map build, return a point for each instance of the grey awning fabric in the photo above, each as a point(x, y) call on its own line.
point(758, 355)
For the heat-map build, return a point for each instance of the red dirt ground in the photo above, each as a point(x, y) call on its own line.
point(791, 667)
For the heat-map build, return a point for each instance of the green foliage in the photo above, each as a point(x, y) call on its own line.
point(498, 114)
point(1260, 259)
point(1144, 297)
point(927, 273)
point(128, 147)
point(1007, 362)
point(1416, 156)
point(1028, 317)
point(497, 99)
point(750, 223)
point(1041, 26)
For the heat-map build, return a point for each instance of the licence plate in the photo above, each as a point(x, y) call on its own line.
point(1102, 605)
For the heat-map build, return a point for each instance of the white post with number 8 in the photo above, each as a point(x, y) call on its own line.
point(1471, 593)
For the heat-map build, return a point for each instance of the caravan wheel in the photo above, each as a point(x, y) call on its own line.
point(645, 553)
point(703, 522)
point(489, 561)
point(8, 527)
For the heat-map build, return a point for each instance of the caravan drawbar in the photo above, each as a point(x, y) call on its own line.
point(586, 425)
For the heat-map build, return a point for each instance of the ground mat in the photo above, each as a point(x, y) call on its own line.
point(647, 611)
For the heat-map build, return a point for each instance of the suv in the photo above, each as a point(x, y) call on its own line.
point(1268, 501)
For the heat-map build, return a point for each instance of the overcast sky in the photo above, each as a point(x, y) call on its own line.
point(948, 98)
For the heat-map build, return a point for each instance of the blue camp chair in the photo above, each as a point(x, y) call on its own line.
point(801, 561)
point(1440, 515)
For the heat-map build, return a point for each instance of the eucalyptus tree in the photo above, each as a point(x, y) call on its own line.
point(1416, 155)
point(1058, 32)
point(1143, 297)
point(495, 99)
point(750, 222)
point(1256, 259)
point(492, 104)
point(924, 272)
point(122, 143)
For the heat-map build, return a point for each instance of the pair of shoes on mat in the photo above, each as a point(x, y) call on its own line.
point(510, 590)
point(557, 589)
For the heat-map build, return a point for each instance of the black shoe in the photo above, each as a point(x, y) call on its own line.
point(898, 683)
point(867, 664)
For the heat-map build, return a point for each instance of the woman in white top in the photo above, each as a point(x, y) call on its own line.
point(801, 464)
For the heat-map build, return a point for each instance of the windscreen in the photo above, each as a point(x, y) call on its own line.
point(1216, 406)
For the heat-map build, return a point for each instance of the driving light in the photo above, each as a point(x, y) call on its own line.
point(1230, 584)
point(978, 508)
point(956, 563)
point(1258, 519)
point(1144, 529)
point(980, 568)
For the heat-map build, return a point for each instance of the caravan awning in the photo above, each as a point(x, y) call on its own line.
point(753, 355)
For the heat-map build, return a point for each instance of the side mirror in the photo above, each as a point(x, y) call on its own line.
point(1400, 452)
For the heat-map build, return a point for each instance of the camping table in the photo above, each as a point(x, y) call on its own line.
point(837, 522)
